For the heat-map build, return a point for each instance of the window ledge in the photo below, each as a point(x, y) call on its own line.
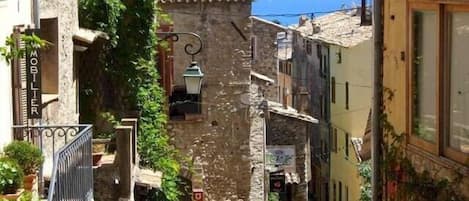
point(440, 160)
point(189, 118)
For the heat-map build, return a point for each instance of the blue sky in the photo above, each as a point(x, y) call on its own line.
point(262, 7)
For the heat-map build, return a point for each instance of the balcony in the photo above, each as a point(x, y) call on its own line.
point(68, 160)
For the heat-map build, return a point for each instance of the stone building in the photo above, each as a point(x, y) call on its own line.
point(343, 48)
point(213, 128)
point(271, 56)
point(311, 96)
point(289, 131)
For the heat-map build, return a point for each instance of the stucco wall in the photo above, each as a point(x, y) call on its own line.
point(220, 141)
point(64, 110)
point(355, 68)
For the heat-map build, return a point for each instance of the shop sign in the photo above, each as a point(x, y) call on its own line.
point(277, 183)
point(281, 157)
point(197, 195)
point(33, 81)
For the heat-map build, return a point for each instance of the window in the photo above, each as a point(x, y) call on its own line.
point(182, 105)
point(50, 57)
point(347, 136)
point(334, 140)
point(346, 96)
point(339, 56)
point(340, 191)
point(439, 81)
point(253, 47)
point(333, 89)
point(309, 47)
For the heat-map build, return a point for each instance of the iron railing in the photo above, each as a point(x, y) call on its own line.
point(70, 146)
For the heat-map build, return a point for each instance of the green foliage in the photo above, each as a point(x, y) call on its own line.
point(129, 62)
point(28, 156)
point(26, 196)
point(273, 196)
point(364, 169)
point(413, 185)
point(12, 50)
point(11, 176)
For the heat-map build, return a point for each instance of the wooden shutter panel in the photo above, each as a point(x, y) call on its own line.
point(19, 85)
point(166, 62)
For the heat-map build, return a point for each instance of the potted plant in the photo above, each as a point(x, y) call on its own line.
point(11, 178)
point(29, 158)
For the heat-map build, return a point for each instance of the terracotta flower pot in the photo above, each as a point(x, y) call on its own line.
point(29, 181)
point(12, 197)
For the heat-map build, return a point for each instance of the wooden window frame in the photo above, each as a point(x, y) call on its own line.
point(346, 145)
point(334, 140)
point(439, 147)
point(347, 96)
point(333, 88)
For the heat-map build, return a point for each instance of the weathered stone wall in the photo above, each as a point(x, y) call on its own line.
point(265, 54)
point(219, 141)
point(440, 168)
point(64, 110)
point(257, 144)
point(282, 130)
point(307, 70)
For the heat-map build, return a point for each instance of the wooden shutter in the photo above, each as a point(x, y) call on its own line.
point(19, 84)
point(166, 62)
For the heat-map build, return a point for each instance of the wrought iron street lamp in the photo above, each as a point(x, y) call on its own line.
point(193, 75)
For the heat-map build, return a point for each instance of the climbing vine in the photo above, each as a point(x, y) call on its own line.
point(404, 182)
point(129, 63)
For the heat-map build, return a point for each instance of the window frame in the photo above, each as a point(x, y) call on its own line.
point(440, 146)
point(446, 42)
point(333, 89)
point(347, 96)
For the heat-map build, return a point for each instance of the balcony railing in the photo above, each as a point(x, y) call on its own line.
point(68, 164)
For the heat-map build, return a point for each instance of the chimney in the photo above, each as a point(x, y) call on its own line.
point(365, 19)
point(302, 21)
point(316, 27)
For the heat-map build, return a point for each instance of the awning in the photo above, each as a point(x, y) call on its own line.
point(292, 178)
point(89, 36)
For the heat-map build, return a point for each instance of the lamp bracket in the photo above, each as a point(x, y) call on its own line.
point(188, 48)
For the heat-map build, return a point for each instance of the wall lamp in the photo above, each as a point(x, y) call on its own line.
point(193, 74)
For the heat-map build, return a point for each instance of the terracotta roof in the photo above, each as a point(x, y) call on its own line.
point(278, 108)
point(196, 1)
point(339, 28)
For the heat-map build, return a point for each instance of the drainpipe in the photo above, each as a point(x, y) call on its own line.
point(37, 20)
point(377, 131)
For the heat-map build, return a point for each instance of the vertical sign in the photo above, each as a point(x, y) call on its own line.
point(33, 80)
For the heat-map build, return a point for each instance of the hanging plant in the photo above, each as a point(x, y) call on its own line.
point(13, 51)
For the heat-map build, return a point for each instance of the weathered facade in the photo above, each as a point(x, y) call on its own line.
point(287, 127)
point(312, 96)
point(215, 131)
point(425, 68)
